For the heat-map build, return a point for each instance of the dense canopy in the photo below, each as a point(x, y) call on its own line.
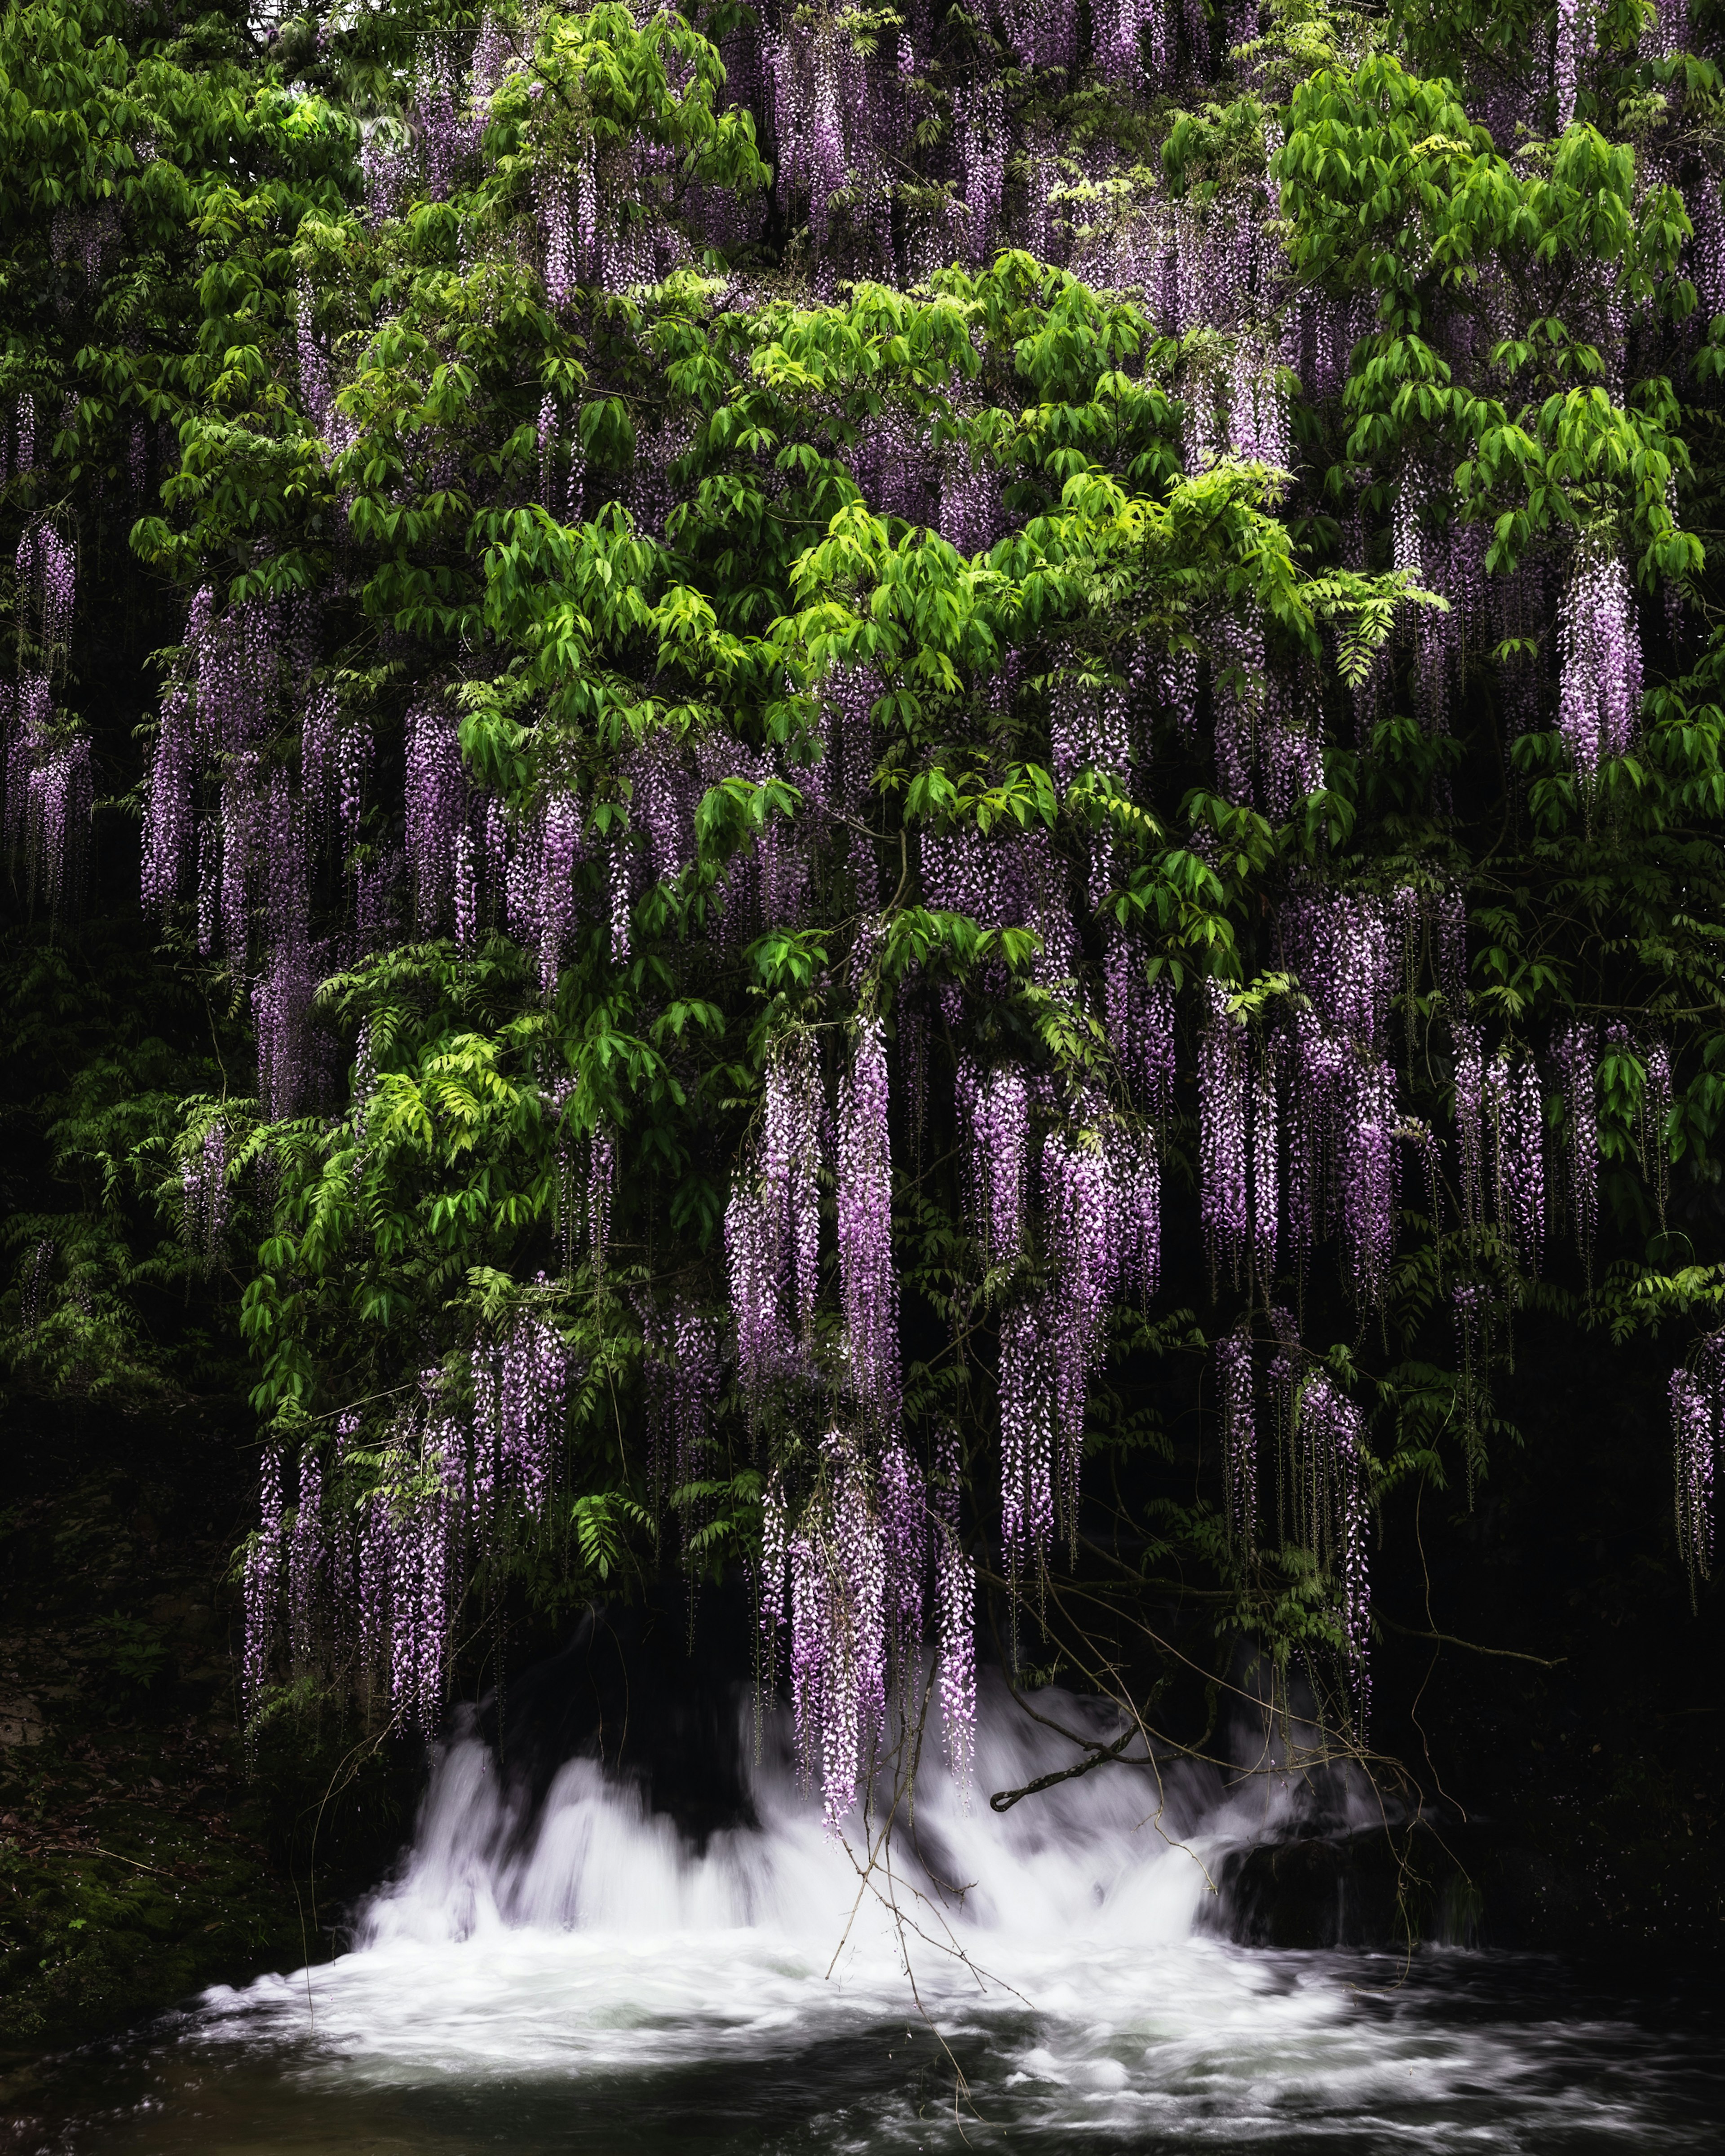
point(922, 802)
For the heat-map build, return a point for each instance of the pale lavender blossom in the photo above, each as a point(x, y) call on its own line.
point(1333, 1462)
point(868, 1278)
point(994, 1122)
point(1224, 1195)
point(1696, 1407)
point(263, 1588)
point(1599, 650)
point(1234, 1390)
point(1575, 1052)
point(955, 1612)
point(1027, 1407)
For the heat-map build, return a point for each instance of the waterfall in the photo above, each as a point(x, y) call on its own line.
point(581, 1930)
point(559, 1968)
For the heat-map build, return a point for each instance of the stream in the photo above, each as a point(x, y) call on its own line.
point(574, 1975)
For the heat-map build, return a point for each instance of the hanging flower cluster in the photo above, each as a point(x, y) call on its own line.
point(1343, 1173)
point(1140, 1015)
point(1575, 1052)
point(772, 1226)
point(994, 1120)
point(521, 1391)
point(955, 1614)
point(855, 1561)
point(1697, 1402)
point(1333, 1496)
point(1599, 693)
point(48, 792)
point(1225, 1152)
point(262, 1582)
point(376, 1596)
point(203, 1187)
point(1239, 1440)
point(1027, 1440)
point(1516, 1108)
point(48, 584)
point(683, 1373)
point(868, 1278)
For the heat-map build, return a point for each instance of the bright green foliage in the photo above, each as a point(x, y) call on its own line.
point(468, 507)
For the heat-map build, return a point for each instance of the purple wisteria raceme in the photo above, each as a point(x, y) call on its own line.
point(1600, 648)
point(910, 1015)
point(811, 1653)
point(955, 1617)
point(1333, 1463)
point(307, 1561)
point(772, 1225)
point(421, 1578)
point(1575, 1052)
point(995, 1124)
point(1082, 1227)
point(1369, 1170)
point(790, 1168)
point(374, 1568)
point(1344, 1127)
point(766, 1345)
point(687, 1386)
point(203, 1195)
point(1516, 1108)
point(1135, 1195)
point(1695, 1410)
point(771, 1596)
point(169, 815)
point(32, 1286)
point(1283, 1386)
point(1452, 953)
point(1027, 1408)
point(601, 1191)
point(570, 1152)
point(839, 1630)
point(436, 811)
point(1469, 1120)
point(1574, 48)
point(1140, 1015)
point(1472, 1311)
point(1656, 1104)
point(1234, 1391)
point(262, 1589)
point(868, 1280)
point(316, 384)
point(550, 901)
point(48, 793)
point(902, 1505)
point(48, 587)
point(1224, 1203)
point(1343, 945)
point(282, 996)
point(521, 1390)
point(1265, 1165)
point(620, 880)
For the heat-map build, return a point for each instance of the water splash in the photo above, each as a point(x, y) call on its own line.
point(571, 1974)
point(584, 1934)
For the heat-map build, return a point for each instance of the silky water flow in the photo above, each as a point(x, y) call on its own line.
point(570, 1973)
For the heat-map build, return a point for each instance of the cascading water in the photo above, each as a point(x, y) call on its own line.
point(574, 1975)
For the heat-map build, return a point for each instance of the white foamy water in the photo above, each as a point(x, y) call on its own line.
point(592, 1935)
point(581, 1979)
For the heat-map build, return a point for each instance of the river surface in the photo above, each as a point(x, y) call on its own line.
point(582, 1980)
